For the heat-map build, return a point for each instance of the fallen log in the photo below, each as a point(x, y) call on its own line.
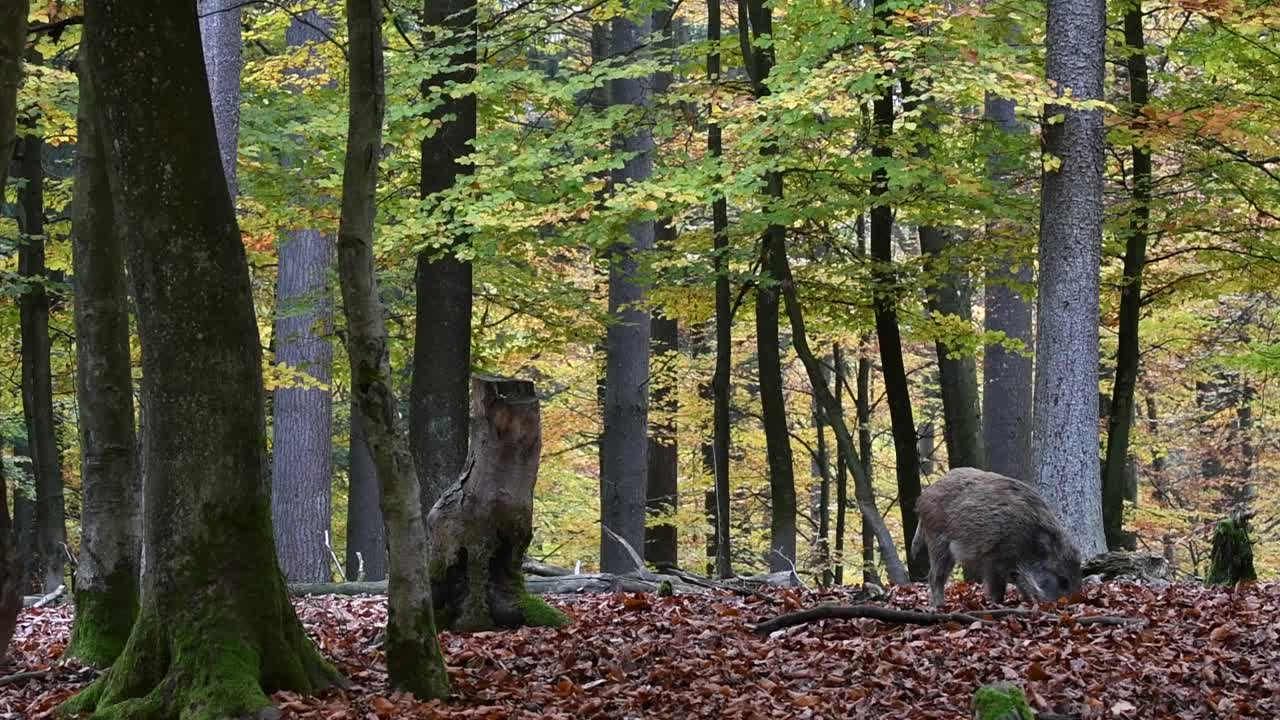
point(536, 584)
point(830, 611)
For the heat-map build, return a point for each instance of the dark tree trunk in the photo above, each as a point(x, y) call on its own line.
point(106, 587)
point(1006, 374)
point(822, 473)
point(869, 574)
point(438, 405)
point(1120, 422)
point(213, 590)
point(479, 529)
point(10, 563)
point(37, 375)
point(1065, 421)
point(24, 514)
point(724, 323)
point(660, 542)
point(842, 474)
point(897, 392)
point(755, 23)
point(414, 661)
point(302, 427)
point(365, 532)
point(957, 374)
point(626, 407)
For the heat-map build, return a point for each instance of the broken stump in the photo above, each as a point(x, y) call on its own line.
point(481, 526)
point(1231, 559)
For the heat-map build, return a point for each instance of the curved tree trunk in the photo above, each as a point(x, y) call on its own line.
point(1065, 424)
point(106, 587)
point(438, 405)
point(37, 375)
point(479, 529)
point(414, 662)
point(626, 407)
point(365, 532)
point(1120, 422)
point(220, 39)
point(216, 631)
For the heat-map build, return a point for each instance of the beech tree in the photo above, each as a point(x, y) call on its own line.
point(216, 631)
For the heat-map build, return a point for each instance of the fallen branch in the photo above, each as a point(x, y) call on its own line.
point(914, 617)
point(39, 601)
point(536, 584)
point(641, 571)
point(19, 677)
point(737, 588)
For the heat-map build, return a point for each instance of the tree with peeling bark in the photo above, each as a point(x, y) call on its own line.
point(1065, 420)
point(216, 631)
point(13, 40)
point(107, 576)
point(414, 661)
point(479, 529)
point(438, 405)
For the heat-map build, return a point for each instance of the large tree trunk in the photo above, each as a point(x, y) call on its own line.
point(1006, 374)
point(1120, 422)
point(220, 39)
point(302, 422)
point(366, 536)
point(897, 391)
point(438, 405)
point(1065, 425)
point(626, 407)
point(106, 587)
point(37, 375)
point(13, 39)
point(414, 661)
point(479, 529)
point(216, 631)
point(720, 387)
point(957, 374)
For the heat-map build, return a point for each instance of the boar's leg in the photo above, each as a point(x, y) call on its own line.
point(996, 583)
point(941, 562)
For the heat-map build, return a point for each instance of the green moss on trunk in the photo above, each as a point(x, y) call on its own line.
point(421, 668)
point(1231, 560)
point(104, 620)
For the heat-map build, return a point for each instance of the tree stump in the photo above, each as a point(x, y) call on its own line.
point(481, 526)
point(1231, 559)
point(1001, 701)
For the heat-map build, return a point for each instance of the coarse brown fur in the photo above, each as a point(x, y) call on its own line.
point(999, 529)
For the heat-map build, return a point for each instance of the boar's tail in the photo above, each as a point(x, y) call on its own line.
point(917, 542)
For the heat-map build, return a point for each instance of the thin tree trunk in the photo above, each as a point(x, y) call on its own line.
point(37, 375)
point(365, 532)
point(1065, 424)
point(1120, 422)
point(10, 566)
point(439, 408)
point(302, 427)
point(106, 587)
point(1006, 374)
point(897, 391)
point(869, 574)
point(213, 588)
point(414, 661)
point(842, 473)
point(662, 495)
point(626, 411)
point(757, 22)
point(220, 38)
point(724, 321)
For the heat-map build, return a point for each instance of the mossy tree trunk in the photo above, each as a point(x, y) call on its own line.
point(106, 589)
point(414, 662)
point(13, 38)
point(480, 528)
point(216, 631)
point(1231, 559)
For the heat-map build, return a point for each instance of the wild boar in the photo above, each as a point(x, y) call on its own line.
point(999, 529)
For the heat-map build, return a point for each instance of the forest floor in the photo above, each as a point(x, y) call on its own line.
point(1198, 653)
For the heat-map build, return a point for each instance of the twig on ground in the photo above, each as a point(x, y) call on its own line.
point(57, 593)
point(831, 611)
point(19, 677)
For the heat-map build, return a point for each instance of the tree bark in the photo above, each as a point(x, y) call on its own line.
point(1120, 422)
point(302, 427)
point(822, 473)
point(414, 660)
point(438, 405)
point(842, 473)
point(216, 631)
point(662, 495)
point(755, 22)
point(869, 574)
point(724, 321)
point(37, 375)
point(897, 391)
point(10, 567)
point(479, 529)
point(1065, 424)
point(220, 39)
point(1006, 374)
point(106, 587)
point(365, 532)
point(626, 411)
